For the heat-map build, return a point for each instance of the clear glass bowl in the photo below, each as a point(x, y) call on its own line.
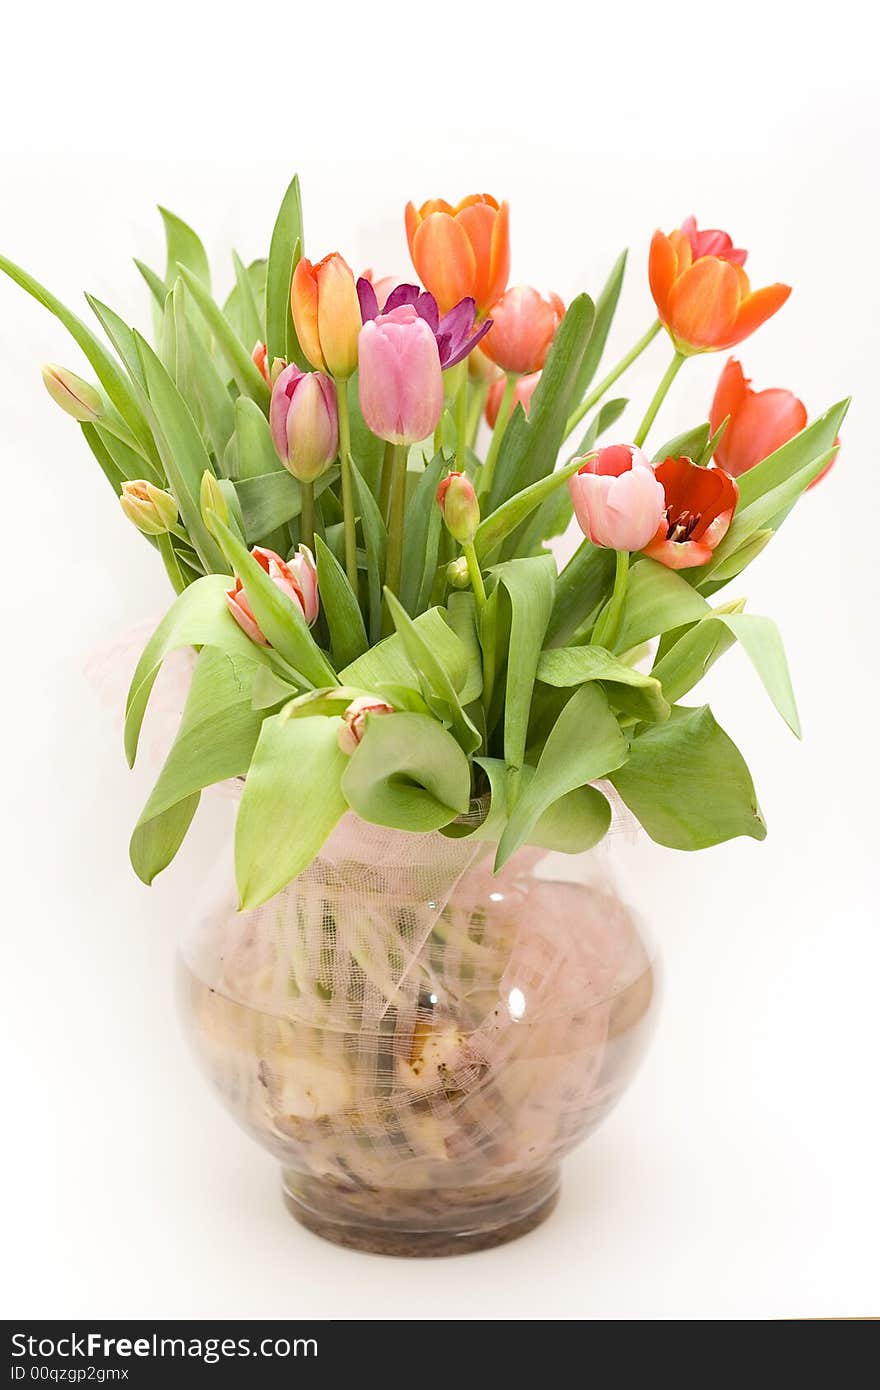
point(417, 1041)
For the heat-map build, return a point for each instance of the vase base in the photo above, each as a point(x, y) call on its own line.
point(431, 1244)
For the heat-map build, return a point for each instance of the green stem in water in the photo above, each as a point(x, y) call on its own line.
point(307, 515)
point(658, 398)
point(608, 381)
point(608, 624)
point(385, 481)
point(487, 472)
point(394, 552)
point(169, 559)
point(348, 512)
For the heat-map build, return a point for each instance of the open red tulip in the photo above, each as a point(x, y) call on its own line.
point(700, 503)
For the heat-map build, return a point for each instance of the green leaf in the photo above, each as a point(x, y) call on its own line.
point(107, 463)
point(284, 252)
point(574, 823)
point(215, 741)
point(687, 782)
point(291, 802)
point(388, 662)
point(605, 417)
point(270, 689)
point(436, 680)
point(199, 617)
point(375, 544)
point(581, 589)
point(157, 287)
point(499, 524)
point(530, 446)
point(107, 370)
point(279, 618)
point(691, 444)
point(248, 327)
point(185, 249)
point(606, 306)
point(627, 688)
point(420, 551)
point(212, 395)
point(367, 449)
point(735, 563)
point(348, 638)
point(584, 744)
point(461, 614)
point(686, 654)
point(529, 584)
point(123, 339)
point(182, 451)
point(657, 599)
point(408, 773)
point(248, 377)
point(256, 454)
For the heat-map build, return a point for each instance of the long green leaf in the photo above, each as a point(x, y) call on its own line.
point(184, 247)
point(529, 584)
point(606, 306)
point(348, 637)
point(627, 688)
point(496, 527)
point(212, 394)
point(375, 545)
point(657, 599)
point(420, 551)
point(408, 773)
point(435, 680)
point(250, 328)
point(291, 802)
point(284, 251)
point(581, 589)
point(248, 377)
point(387, 663)
point(571, 825)
point(811, 444)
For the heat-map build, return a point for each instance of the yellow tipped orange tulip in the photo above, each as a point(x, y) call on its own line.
point(461, 251)
point(327, 315)
point(702, 293)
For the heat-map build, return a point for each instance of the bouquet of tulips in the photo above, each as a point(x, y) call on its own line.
point(379, 622)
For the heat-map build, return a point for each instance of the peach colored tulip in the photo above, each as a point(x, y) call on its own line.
point(698, 507)
point(522, 395)
point(150, 509)
point(400, 382)
point(354, 720)
point(461, 251)
point(523, 325)
point(303, 421)
point(617, 499)
point(326, 314)
point(702, 293)
point(296, 578)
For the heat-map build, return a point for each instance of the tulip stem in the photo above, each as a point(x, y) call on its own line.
point(607, 627)
point(385, 481)
point(659, 396)
point(608, 381)
point(478, 401)
point(487, 472)
point(394, 552)
point(307, 515)
point(461, 420)
point(169, 559)
point(348, 516)
point(476, 575)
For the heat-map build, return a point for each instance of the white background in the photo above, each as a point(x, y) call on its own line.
point(738, 1179)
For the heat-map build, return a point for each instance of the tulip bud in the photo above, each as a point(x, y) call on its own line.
point(327, 314)
point(354, 720)
point(75, 396)
point(523, 327)
point(212, 502)
point(460, 508)
point(152, 511)
point(304, 422)
point(297, 579)
point(458, 576)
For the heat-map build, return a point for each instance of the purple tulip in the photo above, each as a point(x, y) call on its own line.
point(304, 423)
point(453, 332)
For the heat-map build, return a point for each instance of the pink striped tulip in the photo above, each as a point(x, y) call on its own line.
point(400, 380)
point(297, 579)
point(617, 499)
point(304, 422)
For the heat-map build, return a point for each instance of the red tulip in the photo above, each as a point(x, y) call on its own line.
point(702, 293)
point(700, 503)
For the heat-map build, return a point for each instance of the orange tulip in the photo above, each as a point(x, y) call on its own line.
point(461, 251)
point(523, 325)
point(758, 422)
point(327, 315)
point(702, 293)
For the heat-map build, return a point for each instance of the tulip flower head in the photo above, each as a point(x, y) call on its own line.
point(702, 293)
point(617, 499)
point(354, 720)
point(458, 503)
point(454, 332)
point(758, 422)
point(326, 315)
point(698, 506)
point(297, 579)
point(75, 396)
point(522, 395)
point(523, 325)
point(400, 381)
point(304, 423)
point(463, 251)
point(150, 509)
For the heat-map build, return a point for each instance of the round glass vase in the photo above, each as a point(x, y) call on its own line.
point(418, 1041)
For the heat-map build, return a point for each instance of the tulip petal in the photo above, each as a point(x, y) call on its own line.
point(478, 221)
point(662, 268)
point(499, 258)
point(703, 304)
point(400, 295)
point(755, 309)
point(678, 555)
point(764, 421)
point(367, 299)
point(730, 394)
point(304, 308)
point(444, 259)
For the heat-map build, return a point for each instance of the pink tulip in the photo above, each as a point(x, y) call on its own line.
point(400, 381)
point(457, 500)
point(354, 720)
point(617, 499)
point(304, 423)
point(296, 578)
point(522, 395)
